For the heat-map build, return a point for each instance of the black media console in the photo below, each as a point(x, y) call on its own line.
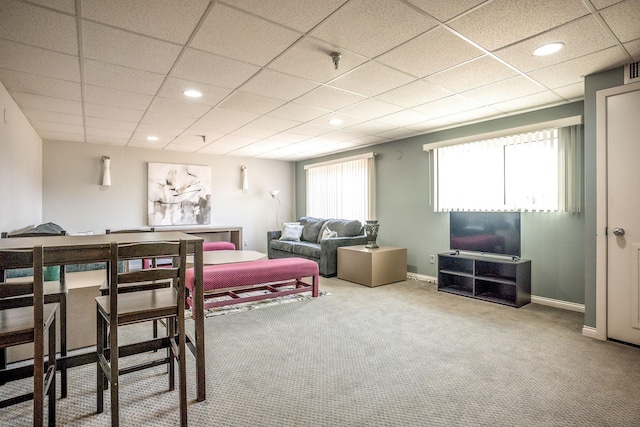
point(501, 280)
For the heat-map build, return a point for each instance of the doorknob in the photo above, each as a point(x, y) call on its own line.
point(618, 231)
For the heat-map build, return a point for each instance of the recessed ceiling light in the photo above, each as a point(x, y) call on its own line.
point(192, 93)
point(335, 121)
point(152, 138)
point(548, 49)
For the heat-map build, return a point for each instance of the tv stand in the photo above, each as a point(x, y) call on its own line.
point(500, 280)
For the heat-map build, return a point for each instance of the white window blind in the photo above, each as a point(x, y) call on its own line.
point(343, 189)
point(532, 171)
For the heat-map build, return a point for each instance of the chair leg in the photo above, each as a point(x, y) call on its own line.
point(113, 363)
point(100, 377)
point(182, 366)
point(172, 371)
point(63, 343)
point(50, 387)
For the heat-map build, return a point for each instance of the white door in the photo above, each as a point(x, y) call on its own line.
point(623, 216)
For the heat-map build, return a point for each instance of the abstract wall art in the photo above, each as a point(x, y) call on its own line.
point(179, 194)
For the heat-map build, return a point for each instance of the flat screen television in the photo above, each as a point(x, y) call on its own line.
point(486, 232)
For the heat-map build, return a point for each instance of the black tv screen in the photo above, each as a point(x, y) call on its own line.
point(486, 232)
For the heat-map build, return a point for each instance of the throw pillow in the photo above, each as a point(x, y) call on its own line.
point(328, 234)
point(291, 232)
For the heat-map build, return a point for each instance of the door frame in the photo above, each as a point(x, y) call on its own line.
point(601, 204)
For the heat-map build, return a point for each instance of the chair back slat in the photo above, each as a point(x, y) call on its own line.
point(148, 275)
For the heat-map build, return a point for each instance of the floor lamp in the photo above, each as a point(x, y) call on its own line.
point(273, 194)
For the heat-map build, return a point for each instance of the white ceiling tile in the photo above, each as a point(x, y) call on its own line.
point(28, 59)
point(239, 35)
point(58, 127)
point(40, 85)
point(504, 90)
point(68, 6)
point(311, 59)
point(121, 78)
point(252, 150)
point(329, 98)
point(601, 4)
point(634, 49)
point(180, 147)
point(190, 140)
point(429, 53)
point(60, 136)
point(404, 118)
point(56, 31)
point(50, 116)
point(309, 130)
point(37, 102)
point(274, 123)
point(116, 125)
point(299, 112)
point(449, 105)
point(254, 132)
point(475, 115)
point(172, 120)
point(472, 74)
point(165, 133)
point(371, 79)
point(370, 109)
point(398, 133)
point(284, 138)
point(443, 10)
point(224, 120)
point(236, 140)
point(156, 18)
point(218, 148)
point(432, 125)
point(212, 69)
point(116, 98)
point(113, 113)
point(178, 107)
point(301, 15)
point(106, 140)
point(529, 102)
point(414, 93)
point(278, 85)
point(140, 141)
point(501, 22)
point(108, 133)
point(371, 127)
point(253, 103)
point(624, 20)
point(108, 44)
point(580, 37)
point(571, 92)
point(211, 95)
point(371, 27)
point(347, 120)
point(574, 71)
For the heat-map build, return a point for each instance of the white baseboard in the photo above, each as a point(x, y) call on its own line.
point(422, 277)
point(565, 305)
point(590, 331)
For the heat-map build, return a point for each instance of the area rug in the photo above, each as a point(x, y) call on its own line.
point(254, 305)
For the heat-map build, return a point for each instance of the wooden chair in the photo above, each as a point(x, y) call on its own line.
point(54, 292)
point(20, 324)
point(120, 309)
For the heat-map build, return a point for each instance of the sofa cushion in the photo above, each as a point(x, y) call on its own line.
point(307, 250)
point(282, 245)
point(311, 229)
point(344, 227)
point(292, 232)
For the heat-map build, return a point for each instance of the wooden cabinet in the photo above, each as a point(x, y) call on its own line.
point(500, 280)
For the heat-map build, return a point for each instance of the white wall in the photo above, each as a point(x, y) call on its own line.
point(20, 168)
point(74, 198)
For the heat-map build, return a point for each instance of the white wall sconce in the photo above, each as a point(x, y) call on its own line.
point(273, 194)
point(244, 178)
point(106, 172)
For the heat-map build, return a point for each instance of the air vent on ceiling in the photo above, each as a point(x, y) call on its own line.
point(632, 72)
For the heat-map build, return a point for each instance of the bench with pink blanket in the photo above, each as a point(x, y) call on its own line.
point(218, 246)
point(234, 283)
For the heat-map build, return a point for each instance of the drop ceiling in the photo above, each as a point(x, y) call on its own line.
point(112, 72)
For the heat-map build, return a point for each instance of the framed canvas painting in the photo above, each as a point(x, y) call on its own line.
point(179, 194)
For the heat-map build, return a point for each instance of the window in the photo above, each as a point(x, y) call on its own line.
point(533, 171)
point(342, 189)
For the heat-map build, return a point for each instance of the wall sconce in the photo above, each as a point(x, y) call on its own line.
point(244, 178)
point(273, 194)
point(106, 172)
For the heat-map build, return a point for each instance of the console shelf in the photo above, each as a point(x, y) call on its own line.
point(499, 280)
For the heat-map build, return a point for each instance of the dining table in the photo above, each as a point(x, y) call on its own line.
point(65, 250)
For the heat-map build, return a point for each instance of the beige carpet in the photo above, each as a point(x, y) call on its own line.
point(397, 355)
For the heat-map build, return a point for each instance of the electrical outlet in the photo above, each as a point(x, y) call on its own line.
point(245, 243)
point(432, 259)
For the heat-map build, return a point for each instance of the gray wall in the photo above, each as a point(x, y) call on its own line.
point(74, 198)
point(592, 84)
point(20, 168)
point(553, 241)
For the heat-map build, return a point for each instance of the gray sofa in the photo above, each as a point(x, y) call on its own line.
point(311, 245)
